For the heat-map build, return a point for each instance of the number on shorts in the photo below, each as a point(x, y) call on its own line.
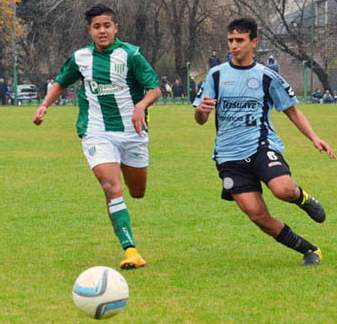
point(272, 156)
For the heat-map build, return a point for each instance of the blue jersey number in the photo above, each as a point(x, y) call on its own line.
point(250, 120)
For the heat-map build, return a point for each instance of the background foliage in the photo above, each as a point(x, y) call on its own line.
point(170, 32)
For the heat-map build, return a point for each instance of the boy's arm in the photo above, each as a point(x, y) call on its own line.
point(302, 123)
point(138, 117)
point(50, 98)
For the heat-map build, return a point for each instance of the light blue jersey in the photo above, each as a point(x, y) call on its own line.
point(245, 98)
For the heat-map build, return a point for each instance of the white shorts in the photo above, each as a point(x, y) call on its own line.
point(117, 147)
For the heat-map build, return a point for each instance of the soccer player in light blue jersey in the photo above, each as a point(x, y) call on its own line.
point(247, 149)
point(118, 85)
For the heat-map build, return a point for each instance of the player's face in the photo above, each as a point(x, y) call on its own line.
point(241, 47)
point(102, 31)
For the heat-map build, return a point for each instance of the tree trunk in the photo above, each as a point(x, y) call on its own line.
point(322, 76)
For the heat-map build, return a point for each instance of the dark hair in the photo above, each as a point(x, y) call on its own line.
point(99, 10)
point(244, 25)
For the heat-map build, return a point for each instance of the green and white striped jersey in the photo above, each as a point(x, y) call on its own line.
point(112, 82)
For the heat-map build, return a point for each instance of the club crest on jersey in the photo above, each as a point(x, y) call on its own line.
point(92, 150)
point(119, 68)
point(253, 83)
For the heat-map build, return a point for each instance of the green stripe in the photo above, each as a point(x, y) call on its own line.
point(82, 119)
point(136, 90)
point(101, 74)
point(116, 204)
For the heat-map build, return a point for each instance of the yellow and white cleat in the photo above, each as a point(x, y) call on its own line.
point(132, 260)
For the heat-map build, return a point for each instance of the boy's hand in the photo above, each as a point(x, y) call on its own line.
point(321, 145)
point(39, 115)
point(207, 104)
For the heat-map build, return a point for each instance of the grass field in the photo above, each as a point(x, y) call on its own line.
point(206, 262)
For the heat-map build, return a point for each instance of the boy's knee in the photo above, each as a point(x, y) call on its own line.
point(111, 190)
point(259, 218)
point(287, 193)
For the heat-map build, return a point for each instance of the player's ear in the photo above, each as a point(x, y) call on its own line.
point(254, 42)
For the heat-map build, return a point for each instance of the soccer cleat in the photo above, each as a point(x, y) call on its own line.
point(313, 208)
point(312, 258)
point(132, 259)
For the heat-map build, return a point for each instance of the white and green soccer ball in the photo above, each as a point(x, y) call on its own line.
point(100, 292)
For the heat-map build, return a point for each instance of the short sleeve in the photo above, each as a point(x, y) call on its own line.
point(143, 71)
point(282, 95)
point(209, 90)
point(69, 73)
point(198, 98)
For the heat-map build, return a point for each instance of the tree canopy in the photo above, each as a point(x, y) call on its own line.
point(170, 32)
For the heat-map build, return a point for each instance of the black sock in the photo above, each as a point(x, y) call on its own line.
point(128, 246)
point(293, 241)
point(299, 200)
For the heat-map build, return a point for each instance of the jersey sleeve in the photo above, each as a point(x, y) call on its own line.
point(282, 94)
point(209, 90)
point(143, 71)
point(198, 98)
point(69, 73)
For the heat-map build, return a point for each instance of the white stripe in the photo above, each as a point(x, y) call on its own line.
point(115, 201)
point(123, 97)
point(115, 209)
point(84, 59)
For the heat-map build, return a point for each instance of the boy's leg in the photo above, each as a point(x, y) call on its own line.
point(104, 158)
point(274, 171)
point(108, 174)
point(284, 188)
point(252, 204)
point(135, 179)
point(134, 162)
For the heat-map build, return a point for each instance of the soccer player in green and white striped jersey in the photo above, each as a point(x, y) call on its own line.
point(118, 85)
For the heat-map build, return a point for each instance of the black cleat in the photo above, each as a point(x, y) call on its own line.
point(312, 258)
point(314, 209)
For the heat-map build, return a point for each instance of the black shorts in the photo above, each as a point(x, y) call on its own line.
point(246, 175)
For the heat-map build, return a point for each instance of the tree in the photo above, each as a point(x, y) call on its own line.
point(51, 35)
point(53, 30)
point(6, 35)
point(292, 30)
point(186, 19)
point(143, 23)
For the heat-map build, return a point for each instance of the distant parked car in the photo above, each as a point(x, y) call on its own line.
point(27, 92)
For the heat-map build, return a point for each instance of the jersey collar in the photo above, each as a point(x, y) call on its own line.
point(239, 67)
point(109, 49)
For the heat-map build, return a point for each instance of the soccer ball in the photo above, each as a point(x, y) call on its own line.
point(100, 292)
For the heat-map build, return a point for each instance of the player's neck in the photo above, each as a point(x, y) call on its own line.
point(246, 61)
point(101, 49)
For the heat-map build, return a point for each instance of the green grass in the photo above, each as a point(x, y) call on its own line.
point(206, 262)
